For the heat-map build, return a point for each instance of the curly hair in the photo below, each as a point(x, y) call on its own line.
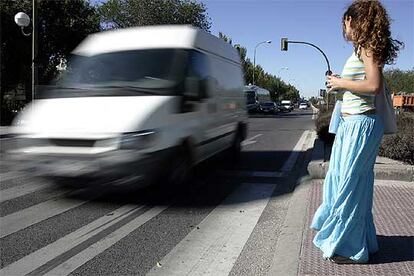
point(371, 30)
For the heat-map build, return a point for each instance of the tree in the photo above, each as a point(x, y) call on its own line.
point(278, 88)
point(400, 81)
point(129, 13)
point(61, 26)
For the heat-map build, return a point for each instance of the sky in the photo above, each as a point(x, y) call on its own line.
point(249, 22)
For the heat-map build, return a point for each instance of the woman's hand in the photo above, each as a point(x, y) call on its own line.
point(333, 83)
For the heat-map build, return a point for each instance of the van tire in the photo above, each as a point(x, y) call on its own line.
point(180, 170)
point(235, 149)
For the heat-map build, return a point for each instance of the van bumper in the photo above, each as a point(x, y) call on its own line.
point(118, 167)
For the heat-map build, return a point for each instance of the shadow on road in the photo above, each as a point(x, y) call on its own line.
point(210, 184)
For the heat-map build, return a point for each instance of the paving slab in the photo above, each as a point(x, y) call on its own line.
point(394, 219)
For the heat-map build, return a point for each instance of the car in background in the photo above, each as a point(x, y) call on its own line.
point(286, 105)
point(303, 106)
point(268, 107)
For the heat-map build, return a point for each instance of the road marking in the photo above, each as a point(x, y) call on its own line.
point(97, 248)
point(12, 175)
point(288, 166)
point(269, 174)
point(21, 190)
point(42, 256)
point(311, 140)
point(213, 248)
point(37, 213)
point(250, 140)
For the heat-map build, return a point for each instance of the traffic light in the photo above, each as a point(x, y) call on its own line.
point(322, 93)
point(284, 44)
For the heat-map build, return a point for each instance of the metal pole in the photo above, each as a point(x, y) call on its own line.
point(319, 49)
point(329, 72)
point(254, 61)
point(254, 56)
point(34, 47)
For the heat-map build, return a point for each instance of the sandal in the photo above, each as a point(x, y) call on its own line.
point(337, 259)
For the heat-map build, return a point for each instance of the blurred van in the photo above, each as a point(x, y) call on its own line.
point(136, 104)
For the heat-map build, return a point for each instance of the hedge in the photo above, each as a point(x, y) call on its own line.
point(399, 146)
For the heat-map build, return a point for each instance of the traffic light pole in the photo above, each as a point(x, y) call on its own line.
point(329, 72)
point(284, 47)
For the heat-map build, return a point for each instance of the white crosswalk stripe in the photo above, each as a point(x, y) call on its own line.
point(211, 248)
point(287, 167)
point(22, 219)
point(214, 247)
point(88, 254)
point(22, 190)
point(51, 251)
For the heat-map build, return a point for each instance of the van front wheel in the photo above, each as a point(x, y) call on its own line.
point(180, 169)
point(236, 146)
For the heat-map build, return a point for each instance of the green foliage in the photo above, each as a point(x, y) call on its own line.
point(400, 146)
point(129, 13)
point(322, 126)
point(400, 81)
point(279, 90)
point(314, 100)
point(61, 26)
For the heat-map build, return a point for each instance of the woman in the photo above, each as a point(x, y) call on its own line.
point(344, 220)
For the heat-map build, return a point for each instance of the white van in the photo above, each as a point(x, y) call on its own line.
point(287, 105)
point(136, 102)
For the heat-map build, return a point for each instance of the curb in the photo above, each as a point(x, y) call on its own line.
point(318, 167)
point(289, 244)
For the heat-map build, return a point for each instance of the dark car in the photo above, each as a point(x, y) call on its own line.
point(268, 107)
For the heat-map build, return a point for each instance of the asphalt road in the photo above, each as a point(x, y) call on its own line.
point(226, 223)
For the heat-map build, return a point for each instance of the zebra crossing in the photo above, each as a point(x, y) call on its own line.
point(209, 239)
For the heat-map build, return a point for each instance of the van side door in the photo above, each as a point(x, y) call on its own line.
point(199, 87)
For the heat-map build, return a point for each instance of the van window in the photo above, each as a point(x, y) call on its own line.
point(159, 71)
point(198, 74)
point(228, 77)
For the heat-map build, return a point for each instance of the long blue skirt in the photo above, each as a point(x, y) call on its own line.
point(344, 219)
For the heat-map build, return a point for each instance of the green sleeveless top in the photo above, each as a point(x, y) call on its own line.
point(355, 103)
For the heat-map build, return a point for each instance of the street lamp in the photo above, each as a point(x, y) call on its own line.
point(23, 20)
point(254, 57)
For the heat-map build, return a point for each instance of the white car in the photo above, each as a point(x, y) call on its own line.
point(303, 106)
point(287, 105)
point(136, 104)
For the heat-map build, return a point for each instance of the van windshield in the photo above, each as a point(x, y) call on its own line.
point(156, 71)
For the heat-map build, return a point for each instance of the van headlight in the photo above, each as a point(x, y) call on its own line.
point(138, 140)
